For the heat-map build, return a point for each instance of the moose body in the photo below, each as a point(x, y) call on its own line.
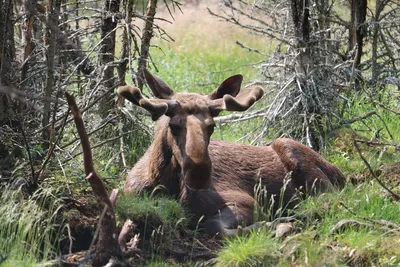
point(216, 180)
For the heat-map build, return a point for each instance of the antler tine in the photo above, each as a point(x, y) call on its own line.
point(156, 107)
point(244, 100)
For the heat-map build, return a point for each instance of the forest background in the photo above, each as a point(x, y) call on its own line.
point(330, 70)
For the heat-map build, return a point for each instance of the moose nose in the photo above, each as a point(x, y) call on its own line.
point(197, 176)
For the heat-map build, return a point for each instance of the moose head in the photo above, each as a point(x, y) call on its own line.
point(190, 120)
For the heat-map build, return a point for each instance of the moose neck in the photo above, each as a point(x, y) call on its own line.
point(163, 168)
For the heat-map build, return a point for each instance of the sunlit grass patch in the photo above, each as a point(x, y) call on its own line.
point(257, 249)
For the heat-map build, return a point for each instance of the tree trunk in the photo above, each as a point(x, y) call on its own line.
point(356, 35)
point(300, 12)
point(145, 45)
point(7, 56)
point(54, 7)
point(111, 7)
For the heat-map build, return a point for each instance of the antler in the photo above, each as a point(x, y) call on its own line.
point(243, 101)
point(156, 107)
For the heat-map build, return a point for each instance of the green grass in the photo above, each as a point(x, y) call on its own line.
point(169, 211)
point(29, 230)
point(314, 245)
point(257, 249)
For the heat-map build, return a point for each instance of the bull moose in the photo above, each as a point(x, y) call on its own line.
point(214, 179)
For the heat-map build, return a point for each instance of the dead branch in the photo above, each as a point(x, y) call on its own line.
point(129, 248)
point(353, 120)
point(344, 224)
point(394, 195)
point(107, 243)
point(100, 144)
point(378, 143)
point(387, 225)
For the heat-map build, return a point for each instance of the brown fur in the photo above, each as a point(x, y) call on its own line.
point(216, 179)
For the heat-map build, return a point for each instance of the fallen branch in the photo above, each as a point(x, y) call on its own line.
point(344, 224)
point(378, 143)
point(393, 194)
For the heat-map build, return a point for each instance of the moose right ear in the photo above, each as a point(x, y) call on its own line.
point(156, 107)
point(159, 88)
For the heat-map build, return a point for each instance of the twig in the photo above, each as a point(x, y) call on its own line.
point(28, 150)
point(378, 143)
point(386, 127)
point(70, 239)
point(41, 171)
point(104, 124)
point(360, 118)
point(385, 107)
point(387, 224)
point(394, 195)
point(100, 144)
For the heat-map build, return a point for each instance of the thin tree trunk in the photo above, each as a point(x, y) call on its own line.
point(375, 35)
point(146, 38)
point(29, 8)
point(356, 35)
point(53, 15)
point(110, 21)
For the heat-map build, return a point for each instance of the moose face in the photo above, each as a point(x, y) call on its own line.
point(190, 122)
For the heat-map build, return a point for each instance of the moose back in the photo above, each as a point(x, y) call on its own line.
point(216, 179)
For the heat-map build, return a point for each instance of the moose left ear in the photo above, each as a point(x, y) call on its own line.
point(230, 86)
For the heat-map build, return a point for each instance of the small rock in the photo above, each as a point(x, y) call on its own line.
point(284, 229)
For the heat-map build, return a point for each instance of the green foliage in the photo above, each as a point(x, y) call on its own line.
point(29, 230)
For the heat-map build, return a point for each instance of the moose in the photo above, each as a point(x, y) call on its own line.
point(215, 179)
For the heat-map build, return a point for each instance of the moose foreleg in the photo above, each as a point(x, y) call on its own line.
point(228, 222)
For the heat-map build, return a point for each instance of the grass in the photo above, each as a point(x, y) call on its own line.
point(315, 245)
point(29, 230)
point(204, 54)
point(257, 249)
point(158, 219)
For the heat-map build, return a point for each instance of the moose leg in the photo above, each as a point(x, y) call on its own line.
point(309, 170)
point(229, 222)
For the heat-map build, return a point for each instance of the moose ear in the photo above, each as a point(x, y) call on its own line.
point(159, 88)
point(230, 86)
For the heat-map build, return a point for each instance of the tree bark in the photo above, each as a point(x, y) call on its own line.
point(145, 41)
point(53, 15)
point(107, 51)
point(29, 11)
point(356, 35)
point(300, 13)
point(7, 56)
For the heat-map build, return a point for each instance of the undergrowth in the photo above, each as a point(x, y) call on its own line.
point(158, 219)
point(29, 228)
